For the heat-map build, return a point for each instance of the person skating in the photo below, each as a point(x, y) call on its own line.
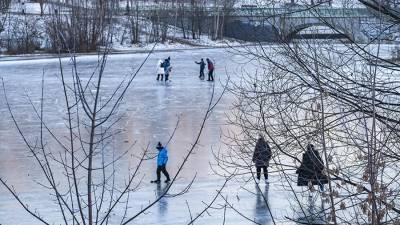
point(162, 159)
point(202, 67)
point(262, 155)
point(167, 68)
point(160, 70)
point(310, 170)
point(210, 66)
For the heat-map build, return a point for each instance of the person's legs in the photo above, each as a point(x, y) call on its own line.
point(166, 77)
point(258, 169)
point(162, 77)
point(212, 75)
point(159, 173)
point(265, 169)
point(158, 77)
point(209, 76)
point(165, 172)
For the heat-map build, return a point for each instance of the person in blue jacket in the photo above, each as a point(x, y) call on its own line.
point(162, 160)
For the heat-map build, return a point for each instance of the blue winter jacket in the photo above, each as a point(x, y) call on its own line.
point(166, 65)
point(162, 157)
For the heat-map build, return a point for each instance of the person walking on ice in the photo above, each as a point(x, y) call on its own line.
point(167, 68)
point(160, 70)
point(210, 70)
point(202, 67)
point(262, 155)
point(162, 159)
point(311, 169)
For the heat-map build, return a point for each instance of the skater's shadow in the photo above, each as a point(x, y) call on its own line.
point(312, 213)
point(262, 208)
point(163, 203)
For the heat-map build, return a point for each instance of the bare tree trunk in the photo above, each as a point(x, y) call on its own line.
point(182, 16)
point(193, 18)
point(41, 4)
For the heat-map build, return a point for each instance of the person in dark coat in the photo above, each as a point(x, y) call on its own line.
point(210, 66)
point(167, 68)
point(202, 67)
point(311, 169)
point(162, 159)
point(262, 155)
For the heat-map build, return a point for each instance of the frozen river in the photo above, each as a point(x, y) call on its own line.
point(151, 110)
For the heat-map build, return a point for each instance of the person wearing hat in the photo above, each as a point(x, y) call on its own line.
point(162, 159)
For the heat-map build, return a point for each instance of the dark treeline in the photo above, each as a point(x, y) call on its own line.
point(4, 6)
point(85, 26)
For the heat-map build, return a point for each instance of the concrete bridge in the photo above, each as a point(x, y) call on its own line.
point(287, 21)
point(284, 22)
point(346, 21)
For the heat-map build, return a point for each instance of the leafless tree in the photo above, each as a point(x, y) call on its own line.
point(133, 17)
point(223, 9)
point(41, 5)
point(80, 168)
point(4, 5)
point(341, 96)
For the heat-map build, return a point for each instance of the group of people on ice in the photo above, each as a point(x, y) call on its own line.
point(164, 69)
point(309, 173)
point(210, 66)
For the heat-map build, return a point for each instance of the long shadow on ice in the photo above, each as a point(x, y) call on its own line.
point(163, 203)
point(312, 213)
point(262, 213)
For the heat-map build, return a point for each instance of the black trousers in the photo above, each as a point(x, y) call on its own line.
point(160, 75)
point(163, 170)
point(258, 168)
point(166, 76)
point(210, 75)
point(201, 74)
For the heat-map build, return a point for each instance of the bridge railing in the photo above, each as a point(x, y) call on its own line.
point(305, 12)
point(291, 12)
point(299, 12)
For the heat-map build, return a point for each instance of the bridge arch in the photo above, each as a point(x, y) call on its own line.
point(291, 34)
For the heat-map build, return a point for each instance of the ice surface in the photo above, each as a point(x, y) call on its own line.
point(151, 110)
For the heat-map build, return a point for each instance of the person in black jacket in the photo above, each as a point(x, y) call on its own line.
point(262, 155)
point(167, 68)
point(311, 169)
point(202, 67)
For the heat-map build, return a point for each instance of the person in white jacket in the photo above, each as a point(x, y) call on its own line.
point(160, 70)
